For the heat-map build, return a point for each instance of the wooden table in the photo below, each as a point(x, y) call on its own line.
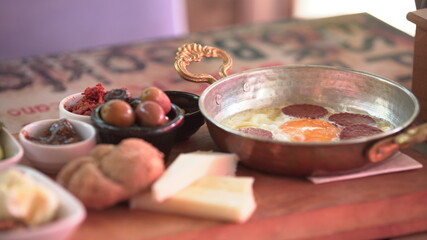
point(288, 208)
point(375, 207)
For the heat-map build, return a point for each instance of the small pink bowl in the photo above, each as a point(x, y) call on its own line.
point(70, 101)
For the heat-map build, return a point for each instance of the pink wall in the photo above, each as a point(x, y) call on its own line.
point(34, 27)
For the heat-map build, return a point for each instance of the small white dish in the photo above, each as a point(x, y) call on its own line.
point(13, 151)
point(51, 158)
point(70, 101)
point(71, 213)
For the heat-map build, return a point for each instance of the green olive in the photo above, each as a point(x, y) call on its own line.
point(158, 96)
point(118, 113)
point(150, 114)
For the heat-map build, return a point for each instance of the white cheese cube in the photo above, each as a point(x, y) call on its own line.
point(217, 197)
point(189, 167)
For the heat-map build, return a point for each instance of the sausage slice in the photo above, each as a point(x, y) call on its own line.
point(305, 111)
point(347, 119)
point(358, 130)
point(257, 132)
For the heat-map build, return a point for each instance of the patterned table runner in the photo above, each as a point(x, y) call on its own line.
point(31, 88)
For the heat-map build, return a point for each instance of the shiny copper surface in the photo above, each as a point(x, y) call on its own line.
point(344, 90)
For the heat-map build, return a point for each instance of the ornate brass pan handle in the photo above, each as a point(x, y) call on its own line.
point(390, 145)
point(194, 52)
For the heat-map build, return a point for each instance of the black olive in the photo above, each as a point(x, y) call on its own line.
point(134, 102)
point(118, 93)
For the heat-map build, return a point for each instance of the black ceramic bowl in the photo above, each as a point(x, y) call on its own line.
point(193, 118)
point(161, 137)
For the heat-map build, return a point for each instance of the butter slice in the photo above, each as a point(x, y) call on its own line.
point(221, 198)
point(189, 167)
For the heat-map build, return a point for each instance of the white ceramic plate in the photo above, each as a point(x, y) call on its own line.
point(71, 213)
point(11, 147)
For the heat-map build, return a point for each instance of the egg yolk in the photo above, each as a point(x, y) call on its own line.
point(309, 130)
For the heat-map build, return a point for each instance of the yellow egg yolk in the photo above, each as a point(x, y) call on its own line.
point(309, 130)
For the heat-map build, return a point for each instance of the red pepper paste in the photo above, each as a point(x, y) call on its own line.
point(92, 97)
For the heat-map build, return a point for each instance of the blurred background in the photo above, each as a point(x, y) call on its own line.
point(40, 27)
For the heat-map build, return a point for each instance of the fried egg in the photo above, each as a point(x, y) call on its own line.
point(288, 128)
